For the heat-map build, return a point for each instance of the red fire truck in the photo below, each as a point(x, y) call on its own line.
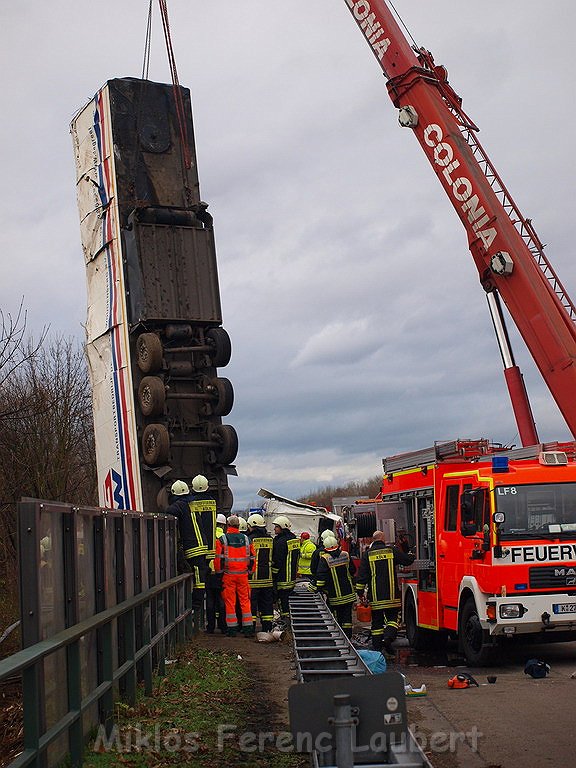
point(494, 529)
point(495, 536)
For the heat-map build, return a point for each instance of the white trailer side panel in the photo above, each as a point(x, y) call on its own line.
point(107, 341)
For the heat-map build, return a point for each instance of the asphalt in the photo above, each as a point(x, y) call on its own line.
point(515, 721)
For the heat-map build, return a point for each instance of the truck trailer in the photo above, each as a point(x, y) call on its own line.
point(154, 334)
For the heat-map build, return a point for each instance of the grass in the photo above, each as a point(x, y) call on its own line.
point(206, 712)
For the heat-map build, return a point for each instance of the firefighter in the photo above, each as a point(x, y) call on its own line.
point(307, 549)
point(215, 610)
point(315, 559)
point(235, 559)
point(205, 505)
point(285, 554)
point(377, 572)
point(261, 585)
point(193, 535)
point(335, 577)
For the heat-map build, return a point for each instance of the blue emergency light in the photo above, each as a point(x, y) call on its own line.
point(499, 464)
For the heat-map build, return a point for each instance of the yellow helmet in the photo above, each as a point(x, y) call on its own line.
point(242, 524)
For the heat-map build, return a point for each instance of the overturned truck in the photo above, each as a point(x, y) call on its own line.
point(154, 324)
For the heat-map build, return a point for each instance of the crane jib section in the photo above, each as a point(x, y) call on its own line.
point(506, 250)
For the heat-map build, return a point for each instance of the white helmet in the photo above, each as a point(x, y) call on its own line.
point(326, 533)
point(179, 488)
point(256, 521)
point(199, 484)
point(330, 541)
point(242, 524)
point(282, 521)
point(221, 519)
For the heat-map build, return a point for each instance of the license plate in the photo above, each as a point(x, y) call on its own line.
point(564, 608)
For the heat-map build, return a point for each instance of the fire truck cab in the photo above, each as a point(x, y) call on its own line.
point(494, 530)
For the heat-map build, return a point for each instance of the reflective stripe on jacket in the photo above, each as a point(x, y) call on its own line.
point(234, 554)
point(190, 527)
point(262, 574)
point(285, 554)
point(334, 576)
point(205, 506)
point(377, 572)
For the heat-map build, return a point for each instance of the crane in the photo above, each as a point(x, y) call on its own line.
point(507, 251)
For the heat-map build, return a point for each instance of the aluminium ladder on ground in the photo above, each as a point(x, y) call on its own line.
point(339, 712)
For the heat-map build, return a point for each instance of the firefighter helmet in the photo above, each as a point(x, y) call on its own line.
point(325, 533)
point(282, 522)
point(256, 521)
point(242, 524)
point(221, 519)
point(199, 484)
point(330, 542)
point(179, 488)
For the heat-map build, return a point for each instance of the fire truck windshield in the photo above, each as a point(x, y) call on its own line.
point(541, 511)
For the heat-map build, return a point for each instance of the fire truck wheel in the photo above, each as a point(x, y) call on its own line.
point(472, 637)
point(222, 389)
point(226, 441)
point(149, 352)
point(418, 638)
point(155, 444)
point(221, 345)
point(151, 396)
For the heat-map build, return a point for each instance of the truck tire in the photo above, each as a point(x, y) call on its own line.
point(473, 639)
point(224, 394)
point(221, 345)
point(226, 438)
point(419, 639)
point(151, 396)
point(155, 444)
point(226, 500)
point(149, 352)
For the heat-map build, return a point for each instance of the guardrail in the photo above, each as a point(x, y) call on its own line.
point(101, 602)
point(30, 663)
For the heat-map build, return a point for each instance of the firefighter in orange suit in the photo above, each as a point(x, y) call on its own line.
point(235, 560)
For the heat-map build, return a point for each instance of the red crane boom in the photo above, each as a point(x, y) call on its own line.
point(507, 251)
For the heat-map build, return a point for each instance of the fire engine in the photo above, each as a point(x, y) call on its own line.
point(494, 531)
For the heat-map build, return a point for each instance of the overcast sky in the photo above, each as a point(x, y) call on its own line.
point(358, 324)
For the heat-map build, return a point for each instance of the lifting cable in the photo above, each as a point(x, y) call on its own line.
point(178, 100)
point(146, 62)
point(401, 21)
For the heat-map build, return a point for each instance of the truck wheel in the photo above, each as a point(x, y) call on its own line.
point(149, 352)
point(226, 500)
point(155, 444)
point(221, 345)
point(222, 389)
point(418, 638)
point(151, 396)
point(227, 440)
point(472, 637)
